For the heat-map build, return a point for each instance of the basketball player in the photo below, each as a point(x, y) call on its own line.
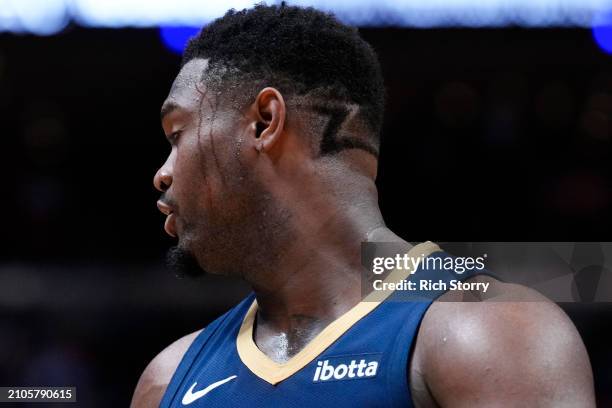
point(274, 124)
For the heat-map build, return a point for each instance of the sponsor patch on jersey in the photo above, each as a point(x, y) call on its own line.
point(347, 367)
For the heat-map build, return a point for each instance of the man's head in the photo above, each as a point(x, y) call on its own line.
point(272, 108)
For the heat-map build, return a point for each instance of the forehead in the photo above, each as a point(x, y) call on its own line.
point(187, 88)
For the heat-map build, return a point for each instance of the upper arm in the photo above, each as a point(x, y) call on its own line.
point(157, 375)
point(502, 354)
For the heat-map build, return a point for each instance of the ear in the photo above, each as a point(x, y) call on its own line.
point(270, 113)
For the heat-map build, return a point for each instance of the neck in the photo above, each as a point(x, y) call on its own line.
point(318, 278)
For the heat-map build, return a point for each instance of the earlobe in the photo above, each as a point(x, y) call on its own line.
point(271, 110)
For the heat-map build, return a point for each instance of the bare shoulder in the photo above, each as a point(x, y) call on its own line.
point(157, 375)
point(513, 347)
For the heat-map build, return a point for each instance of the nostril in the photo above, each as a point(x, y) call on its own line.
point(163, 186)
point(162, 180)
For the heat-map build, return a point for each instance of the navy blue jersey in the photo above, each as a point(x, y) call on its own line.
point(359, 360)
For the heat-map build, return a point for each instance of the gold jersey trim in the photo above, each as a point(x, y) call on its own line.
point(272, 372)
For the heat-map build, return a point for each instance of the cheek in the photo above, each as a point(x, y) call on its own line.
point(211, 165)
point(199, 180)
point(187, 178)
point(218, 157)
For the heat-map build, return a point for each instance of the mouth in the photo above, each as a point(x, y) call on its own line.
point(170, 224)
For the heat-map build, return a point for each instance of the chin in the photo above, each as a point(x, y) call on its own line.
point(183, 262)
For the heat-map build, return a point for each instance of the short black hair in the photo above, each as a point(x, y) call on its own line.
point(301, 51)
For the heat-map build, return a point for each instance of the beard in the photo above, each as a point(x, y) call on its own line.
point(183, 263)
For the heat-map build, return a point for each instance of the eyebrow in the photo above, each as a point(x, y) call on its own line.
point(167, 108)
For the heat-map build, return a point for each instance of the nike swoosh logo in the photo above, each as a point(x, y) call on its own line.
point(191, 396)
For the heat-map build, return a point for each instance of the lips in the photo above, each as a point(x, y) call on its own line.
point(170, 224)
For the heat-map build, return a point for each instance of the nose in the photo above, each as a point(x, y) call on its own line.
point(163, 178)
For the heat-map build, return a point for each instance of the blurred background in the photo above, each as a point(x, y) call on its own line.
point(498, 128)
